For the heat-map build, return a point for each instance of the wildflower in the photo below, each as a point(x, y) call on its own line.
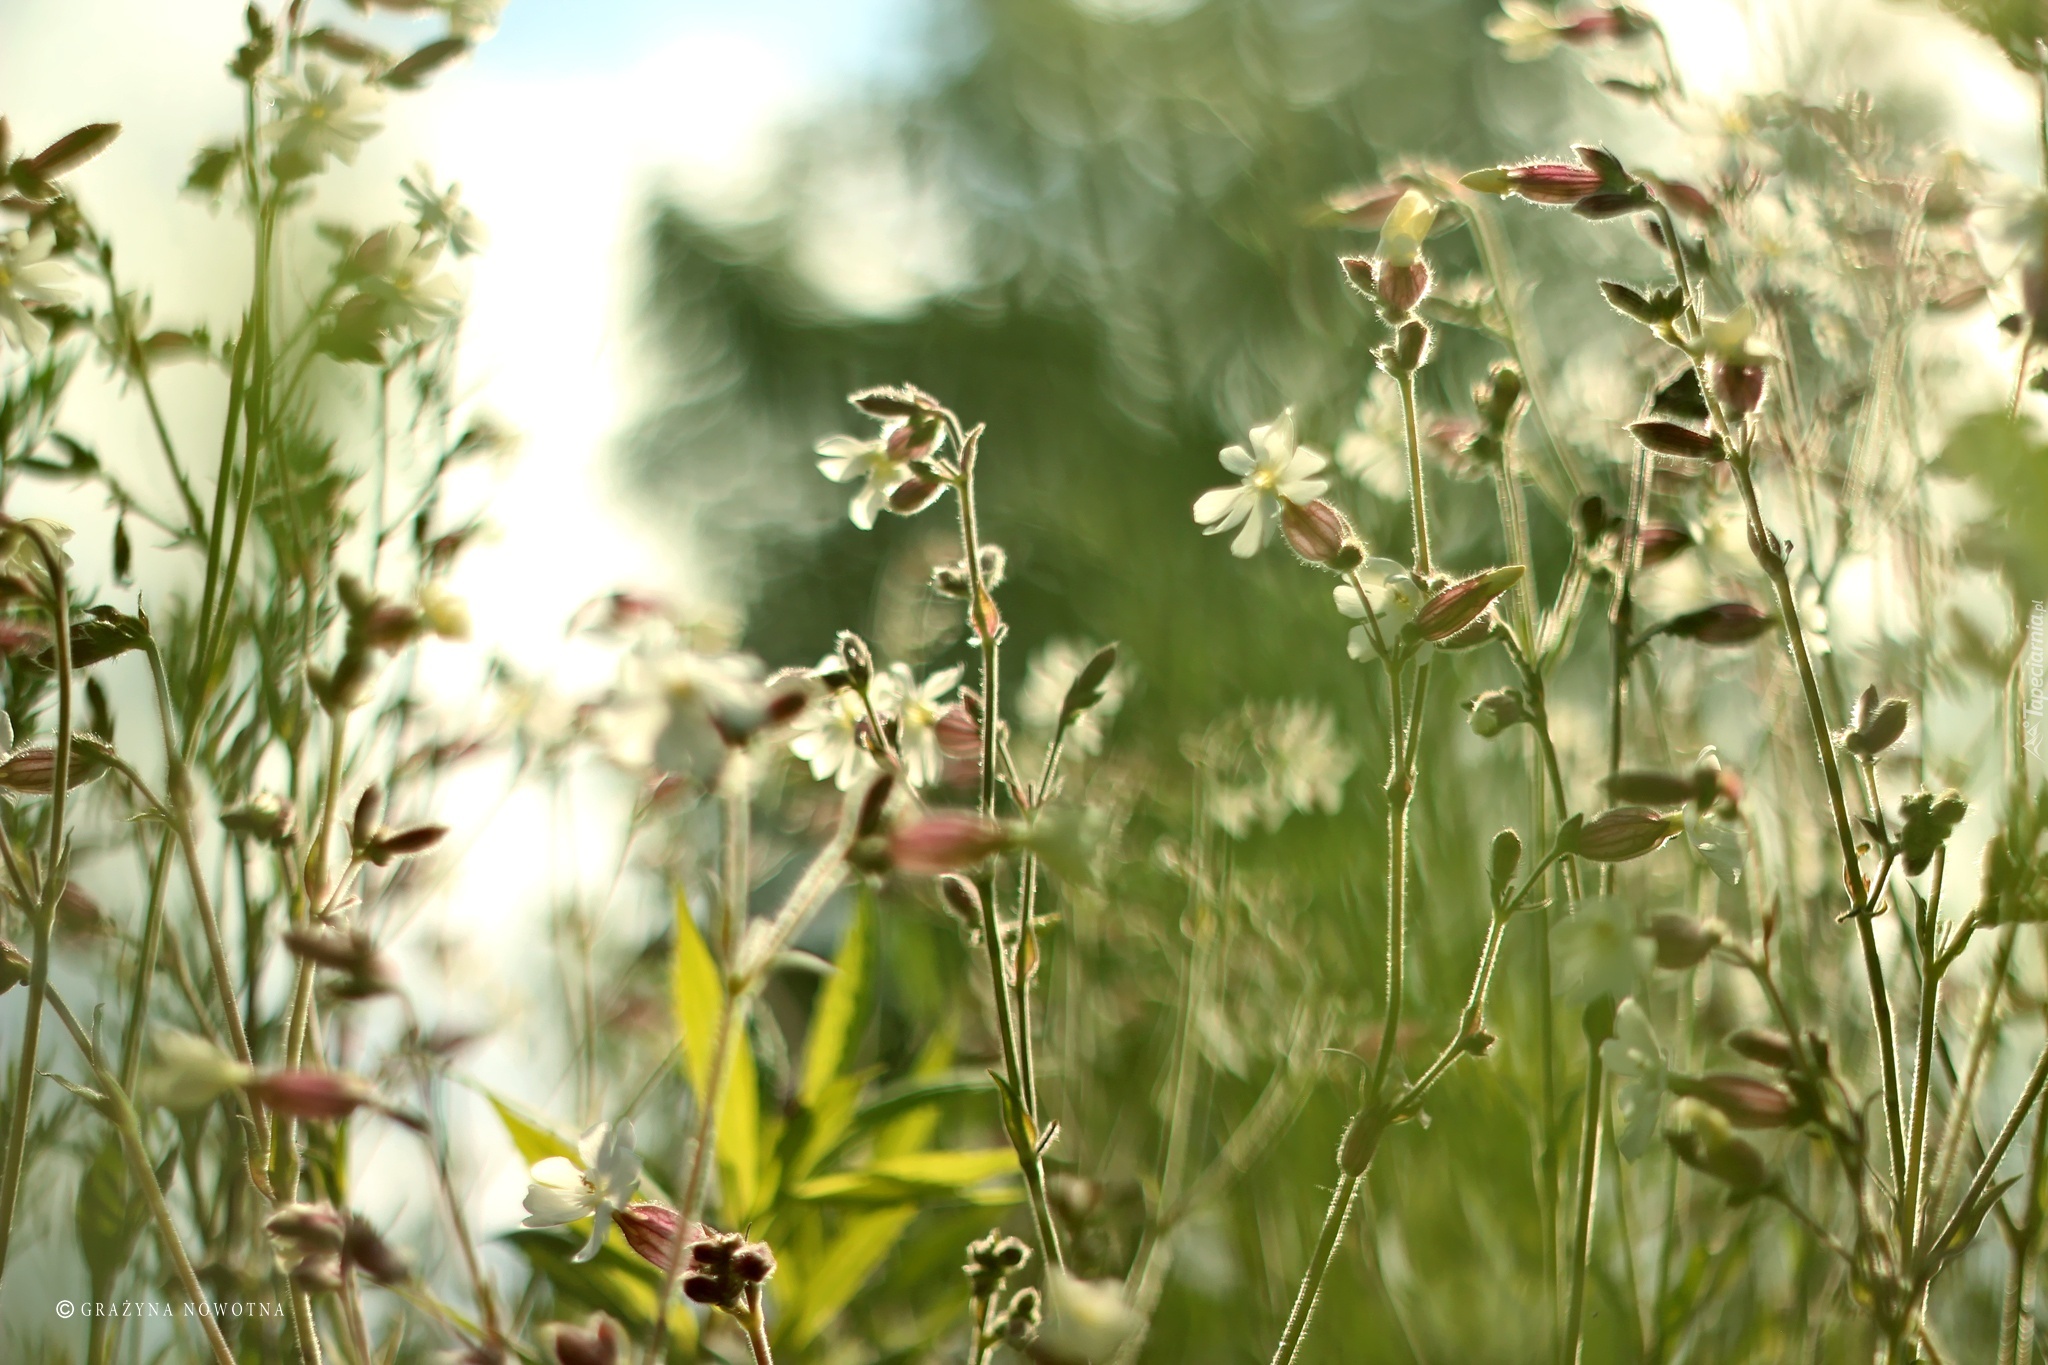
point(1272, 761)
point(1402, 597)
point(1320, 535)
point(321, 114)
point(1452, 609)
point(1744, 1100)
point(1625, 833)
point(829, 737)
point(1634, 1058)
point(397, 267)
point(1281, 471)
point(1085, 1319)
point(843, 459)
point(28, 276)
point(944, 841)
point(563, 1192)
point(916, 707)
point(1042, 697)
point(441, 213)
point(649, 1228)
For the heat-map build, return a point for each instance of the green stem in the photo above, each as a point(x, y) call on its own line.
point(1588, 1190)
point(1417, 496)
point(1923, 1052)
point(2014, 1346)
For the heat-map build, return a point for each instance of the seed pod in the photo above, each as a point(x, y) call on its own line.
point(963, 898)
point(32, 769)
point(1670, 438)
point(1702, 1138)
point(1681, 941)
point(73, 150)
point(1459, 605)
point(1502, 859)
point(1625, 833)
point(1744, 1100)
point(14, 966)
point(596, 1344)
point(1764, 1046)
point(1724, 623)
point(1320, 536)
point(1642, 787)
point(858, 660)
point(1658, 542)
point(1401, 287)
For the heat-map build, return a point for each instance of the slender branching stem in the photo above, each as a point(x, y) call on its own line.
point(1418, 497)
point(1587, 1195)
point(1923, 1051)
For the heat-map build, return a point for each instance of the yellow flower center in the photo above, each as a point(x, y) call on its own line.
point(1265, 480)
point(6, 279)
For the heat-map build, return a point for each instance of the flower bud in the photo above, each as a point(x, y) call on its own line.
point(1642, 787)
point(1490, 713)
point(14, 966)
point(1590, 519)
point(754, 1263)
point(1319, 534)
point(874, 800)
point(1874, 725)
point(1740, 387)
point(1744, 1100)
point(1625, 833)
point(365, 1249)
point(32, 769)
point(1671, 438)
point(365, 972)
point(362, 826)
point(858, 660)
point(307, 1229)
point(950, 580)
point(190, 1071)
point(1658, 542)
point(1407, 226)
point(1683, 942)
point(1401, 287)
point(391, 845)
point(1021, 1319)
point(1412, 346)
point(1502, 858)
point(1499, 398)
point(1764, 1046)
point(944, 841)
point(963, 898)
point(1702, 1138)
point(1558, 183)
point(317, 1095)
point(1724, 623)
point(914, 494)
point(1925, 823)
point(596, 1344)
point(1462, 603)
point(650, 1230)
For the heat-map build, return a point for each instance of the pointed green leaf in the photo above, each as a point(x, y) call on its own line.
point(739, 1132)
point(863, 1241)
point(695, 991)
point(843, 1006)
point(533, 1138)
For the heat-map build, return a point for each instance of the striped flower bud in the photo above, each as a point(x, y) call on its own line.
point(1643, 787)
point(32, 769)
point(944, 841)
point(1677, 440)
point(1557, 183)
point(1458, 606)
point(597, 1343)
point(1724, 623)
point(1744, 1100)
point(1624, 833)
point(1765, 1047)
point(1658, 543)
point(1320, 535)
point(650, 1229)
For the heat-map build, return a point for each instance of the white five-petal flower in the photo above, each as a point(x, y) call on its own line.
point(1279, 470)
point(827, 736)
point(1634, 1058)
point(917, 707)
point(28, 275)
point(562, 1191)
point(843, 459)
point(322, 114)
point(1400, 597)
point(1526, 30)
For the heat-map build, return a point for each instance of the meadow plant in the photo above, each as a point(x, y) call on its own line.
point(1766, 1055)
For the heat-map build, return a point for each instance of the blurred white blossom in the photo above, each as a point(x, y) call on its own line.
point(1273, 761)
point(1044, 691)
point(1279, 470)
point(321, 114)
point(28, 275)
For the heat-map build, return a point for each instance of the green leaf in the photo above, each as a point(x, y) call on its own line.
point(696, 991)
point(615, 1282)
point(863, 1241)
point(739, 1132)
point(534, 1141)
point(918, 1175)
point(844, 1006)
point(107, 1214)
point(2009, 464)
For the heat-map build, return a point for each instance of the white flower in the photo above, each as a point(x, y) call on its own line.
point(1525, 30)
point(1272, 761)
point(1401, 596)
point(1044, 691)
point(1407, 228)
point(400, 266)
point(843, 459)
point(1376, 452)
point(827, 736)
point(28, 275)
point(441, 213)
point(321, 114)
point(1633, 1057)
point(917, 707)
point(562, 1191)
point(1281, 469)
point(474, 20)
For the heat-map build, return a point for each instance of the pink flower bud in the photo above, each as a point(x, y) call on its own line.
point(1552, 182)
point(1462, 603)
point(1670, 438)
point(317, 1095)
point(307, 1229)
point(1657, 543)
point(596, 1344)
point(1681, 941)
point(1766, 1046)
point(1724, 623)
point(1744, 1100)
point(1624, 833)
point(958, 733)
point(944, 841)
point(1320, 535)
point(1401, 287)
point(650, 1229)
point(1739, 387)
point(32, 769)
point(914, 494)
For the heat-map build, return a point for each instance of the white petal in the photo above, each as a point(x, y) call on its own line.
point(1348, 601)
point(865, 504)
point(1306, 461)
point(1276, 440)
point(557, 1172)
point(1303, 491)
point(1252, 536)
point(591, 1145)
point(843, 447)
point(599, 1228)
point(1237, 460)
point(1377, 572)
point(1358, 644)
point(1220, 509)
point(548, 1207)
